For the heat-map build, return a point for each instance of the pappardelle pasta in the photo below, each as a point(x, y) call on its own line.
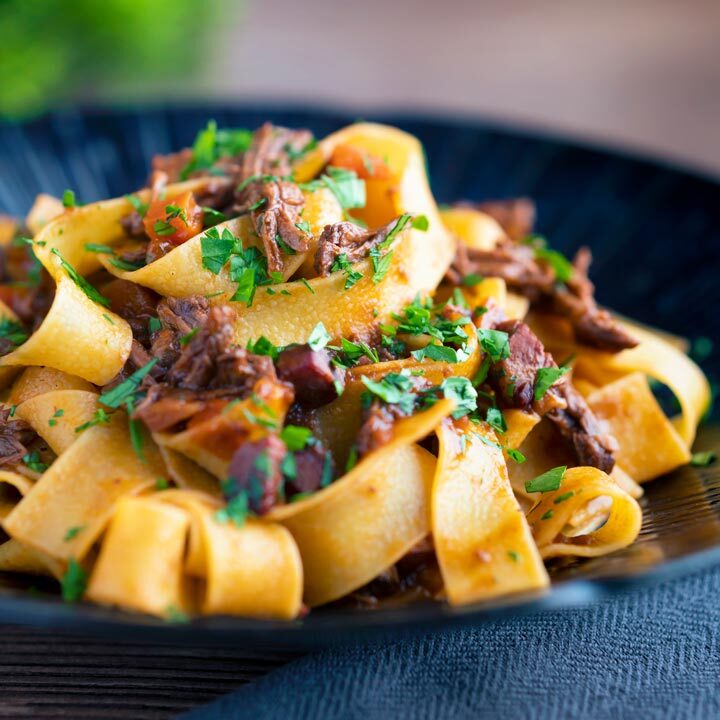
point(279, 376)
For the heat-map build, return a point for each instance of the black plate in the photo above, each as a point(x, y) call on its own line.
point(655, 234)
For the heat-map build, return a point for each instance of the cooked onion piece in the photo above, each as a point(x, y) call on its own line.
point(588, 515)
point(82, 487)
point(481, 537)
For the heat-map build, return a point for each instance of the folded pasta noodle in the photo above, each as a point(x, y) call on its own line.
point(587, 516)
point(278, 377)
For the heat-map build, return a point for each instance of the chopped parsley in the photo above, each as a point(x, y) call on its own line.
point(162, 483)
point(437, 352)
point(263, 346)
point(212, 217)
point(12, 331)
point(100, 417)
point(163, 228)
point(80, 281)
point(560, 265)
point(515, 455)
point(547, 482)
point(562, 498)
point(346, 186)
point(185, 339)
point(307, 285)
point(124, 264)
point(303, 226)
point(319, 337)
point(352, 459)
point(472, 279)
point(703, 459)
point(216, 249)
point(351, 352)
point(351, 276)
point(394, 389)
point(73, 582)
point(460, 390)
point(140, 207)
point(97, 248)
point(125, 391)
point(212, 143)
point(546, 377)
point(68, 199)
point(57, 414)
point(296, 437)
point(73, 532)
point(32, 460)
point(547, 515)
point(154, 324)
point(236, 511)
point(381, 264)
point(496, 419)
point(513, 556)
point(495, 343)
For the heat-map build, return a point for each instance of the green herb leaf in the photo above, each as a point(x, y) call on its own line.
point(73, 532)
point(547, 482)
point(351, 276)
point(140, 207)
point(703, 459)
point(154, 324)
point(102, 249)
point(495, 343)
point(216, 249)
point(123, 392)
point(472, 279)
point(73, 582)
point(236, 511)
point(295, 437)
point(516, 455)
point(547, 515)
point(185, 339)
point(546, 377)
point(12, 331)
point(381, 264)
point(460, 390)
point(100, 417)
point(32, 460)
point(263, 346)
point(496, 419)
point(562, 498)
point(420, 222)
point(80, 281)
point(346, 186)
point(319, 337)
point(436, 352)
point(68, 199)
point(394, 389)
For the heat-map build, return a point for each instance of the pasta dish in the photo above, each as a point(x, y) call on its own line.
point(280, 376)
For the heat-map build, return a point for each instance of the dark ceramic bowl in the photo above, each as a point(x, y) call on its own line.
point(655, 235)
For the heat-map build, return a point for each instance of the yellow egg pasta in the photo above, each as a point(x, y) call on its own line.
point(278, 378)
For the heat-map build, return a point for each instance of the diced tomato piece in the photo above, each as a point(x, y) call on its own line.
point(175, 219)
point(366, 165)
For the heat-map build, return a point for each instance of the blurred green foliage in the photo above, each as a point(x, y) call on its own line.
point(53, 51)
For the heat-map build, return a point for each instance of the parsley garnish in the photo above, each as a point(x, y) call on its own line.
point(32, 460)
point(211, 144)
point(303, 226)
point(236, 511)
point(263, 346)
point(212, 217)
point(703, 459)
point(68, 199)
point(562, 498)
point(515, 455)
point(162, 483)
point(513, 556)
point(351, 276)
point(496, 419)
point(100, 417)
point(295, 437)
point(185, 339)
point(472, 279)
point(380, 263)
point(12, 331)
point(73, 582)
point(546, 377)
point(394, 389)
point(460, 390)
point(154, 324)
point(346, 186)
point(561, 266)
point(73, 532)
point(307, 285)
point(140, 207)
point(319, 337)
point(57, 414)
point(216, 249)
point(547, 482)
point(495, 343)
point(124, 264)
point(125, 391)
point(80, 281)
point(547, 515)
point(163, 228)
point(96, 248)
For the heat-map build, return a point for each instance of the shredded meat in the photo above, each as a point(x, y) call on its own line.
point(310, 373)
point(534, 278)
point(271, 149)
point(15, 436)
point(133, 225)
point(171, 165)
point(309, 466)
point(377, 427)
point(516, 216)
point(134, 303)
point(514, 378)
point(348, 239)
point(581, 429)
point(255, 470)
point(275, 208)
point(206, 368)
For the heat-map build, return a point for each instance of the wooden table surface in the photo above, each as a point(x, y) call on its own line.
point(47, 675)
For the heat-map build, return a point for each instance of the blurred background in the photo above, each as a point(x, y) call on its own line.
point(642, 74)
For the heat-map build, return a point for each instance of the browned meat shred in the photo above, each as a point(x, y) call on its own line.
point(377, 427)
point(515, 216)
point(581, 429)
point(15, 436)
point(255, 470)
point(513, 380)
point(275, 208)
point(208, 367)
point(309, 466)
point(134, 303)
point(133, 225)
point(346, 238)
point(270, 152)
point(534, 278)
point(310, 373)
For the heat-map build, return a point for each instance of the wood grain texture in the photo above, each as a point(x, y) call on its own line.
point(47, 675)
